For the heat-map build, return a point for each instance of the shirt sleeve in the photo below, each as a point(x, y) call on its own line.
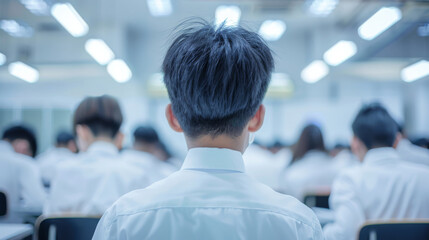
point(32, 192)
point(349, 213)
point(105, 228)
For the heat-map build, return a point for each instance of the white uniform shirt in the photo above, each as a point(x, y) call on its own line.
point(383, 187)
point(314, 173)
point(49, 160)
point(209, 198)
point(264, 166)
point(20, 180)
point(412, 153)
point(92, 182)
point(154, 169)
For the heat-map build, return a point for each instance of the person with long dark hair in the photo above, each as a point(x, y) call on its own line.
point(311, 169)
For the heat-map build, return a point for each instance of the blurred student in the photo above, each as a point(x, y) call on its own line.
point(98, 177)
point(149, 154)
point(265, 166)
point(410, 152)
point(22, 139)
point(343, 156)
point(216, 78)
point(19, 176)
point(383, 187)
point(311, 170)
point(65, 149)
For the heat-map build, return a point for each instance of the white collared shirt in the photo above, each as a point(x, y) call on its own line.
point(383, 187)
point(154, 169)
point(49, 160)
point(92, 182)
point(314, 173)
point(412, 153)
point(209, 198)
point(20, 180)
point(264, 166)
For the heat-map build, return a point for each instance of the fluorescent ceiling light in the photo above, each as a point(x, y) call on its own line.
point(382, 20)
point(322, 7)
point(340, 52)
point(228, 14)
point(416, 71)
point(37, 7)
point(159, 7)
point(2, 59)
point(272, 30)
point(314, 71)
point(68, 17)
point(16, 29)
point(99, 50)
point(119, 70)
point(24, 72)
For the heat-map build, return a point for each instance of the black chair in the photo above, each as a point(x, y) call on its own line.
point(413, 229)
point(66, 228)
point(3, 204)
point(317, 200)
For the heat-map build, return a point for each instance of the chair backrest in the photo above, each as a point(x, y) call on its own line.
point(3, 204)
point(66, 228)
point(317, 200)
point(416, 230)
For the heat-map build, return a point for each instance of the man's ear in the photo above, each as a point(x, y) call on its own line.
point(257, 120)
point(397, 140)
point(83, 132)
point(119, 139)
point(172, 120)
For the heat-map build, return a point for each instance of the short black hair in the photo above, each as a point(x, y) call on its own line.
point(101, 114)
point(216, 77)
point(64, 137)
point(146, 134)
point(21, 132)
point(374, 126)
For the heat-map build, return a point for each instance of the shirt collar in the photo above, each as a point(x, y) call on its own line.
point(222, 159)
point(381, 155)
point(102, 148)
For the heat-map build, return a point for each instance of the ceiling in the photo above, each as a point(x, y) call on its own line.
point(141, 39)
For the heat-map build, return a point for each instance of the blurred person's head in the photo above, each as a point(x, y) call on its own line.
point(373, 127)
point(22, 139)
point(338, 148)
point(146, 139)
point(216, 79)
point(311, 138)
point(66, 140)
point(98, 119)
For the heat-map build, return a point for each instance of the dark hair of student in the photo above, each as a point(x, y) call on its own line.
point(216, 78)
point(63, 138)
point(375, 127)
point(21, 132)
point(311, 138)
point(148, 135)
point(101, 114)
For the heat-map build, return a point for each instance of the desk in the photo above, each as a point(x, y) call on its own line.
point(11, 231)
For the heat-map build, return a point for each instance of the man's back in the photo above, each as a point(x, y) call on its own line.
point(210, 198)
point(20, 180)
point(384, 187)
point(91, 183)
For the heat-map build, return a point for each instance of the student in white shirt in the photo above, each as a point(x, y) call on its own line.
point(311, 170)
point(216, 78)
point(148, 154)
point(65, 149)
point(19, 178)
point(98, 177)
point(265, 166)
point(22, 139)
point(383, 187)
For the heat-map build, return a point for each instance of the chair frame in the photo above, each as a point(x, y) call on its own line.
point(393, 222)
point(42, 218)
